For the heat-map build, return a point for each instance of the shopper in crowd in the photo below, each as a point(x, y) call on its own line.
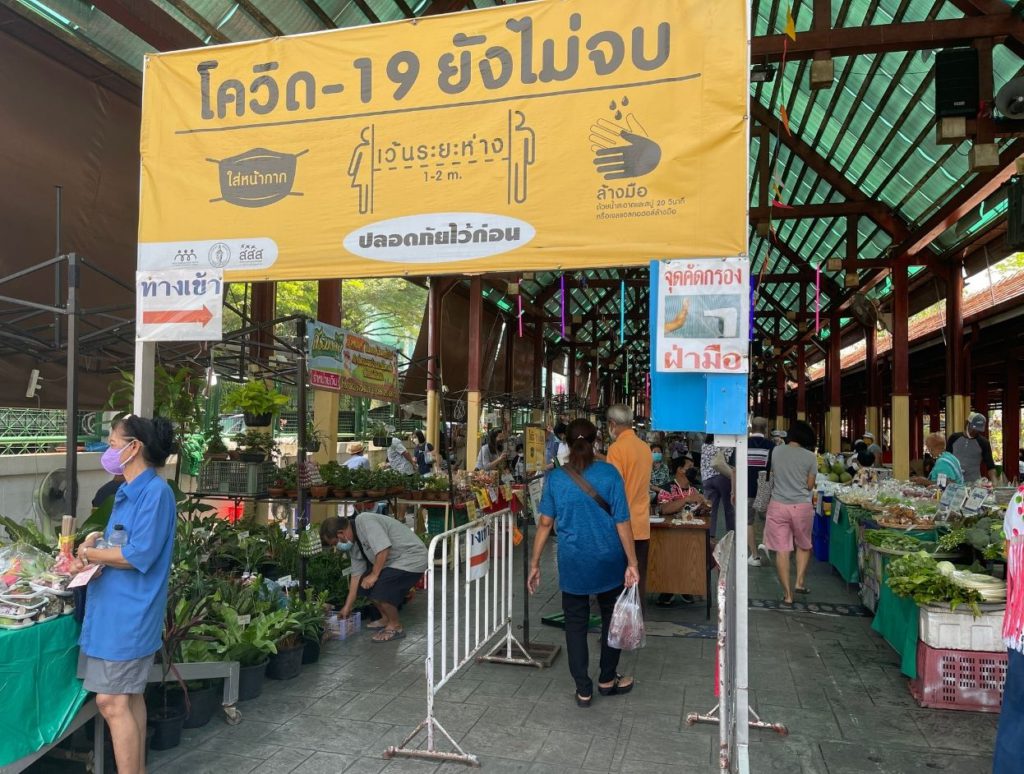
point(973, 450)
point(492, 454)
point(1010, 736)
point(694, 443)
point(778, 437)
point(388, 559)
point(660, 475)
point(423, 453)
point(718, 483)
point(124, 611)
point(586, 498)
point(677, 493)
point(873, 448)
point(946, 467)
point(357, 456)
point(400, 459)
point(634, 461)
point(794, 469)
point(759, 451)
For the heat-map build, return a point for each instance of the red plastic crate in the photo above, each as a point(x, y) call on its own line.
point(969, 680)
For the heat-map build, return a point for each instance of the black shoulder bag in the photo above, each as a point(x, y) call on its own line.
point(583, 484)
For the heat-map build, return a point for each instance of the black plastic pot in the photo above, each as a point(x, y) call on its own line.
point(203, 702)
point(270, 570)
point(167, 725)
point(382, 441)
point(250, 681)
point(257, 420)
point(286, 663)
point(311, 651)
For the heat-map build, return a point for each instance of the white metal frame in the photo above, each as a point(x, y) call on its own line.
point(472, 614)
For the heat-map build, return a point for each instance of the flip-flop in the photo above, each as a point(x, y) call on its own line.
point(615, 689)
point(390, 635)
point(378, 626)
point(801, 590)
point(786, 605)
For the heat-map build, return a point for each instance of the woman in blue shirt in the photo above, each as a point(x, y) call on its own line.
point(596, 554)
point(124, 609)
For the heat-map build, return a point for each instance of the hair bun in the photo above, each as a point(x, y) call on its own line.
point(163, 436)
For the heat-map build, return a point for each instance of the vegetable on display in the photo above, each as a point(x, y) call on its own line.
point(919, 577)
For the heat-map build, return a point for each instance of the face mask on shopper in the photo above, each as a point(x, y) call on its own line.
point(657, 456)
point(111, 459)
point(346, 546)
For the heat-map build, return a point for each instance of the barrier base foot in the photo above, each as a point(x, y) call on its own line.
point(510, 651)
point(543, 653)
point(430, 725)
point(755, 721)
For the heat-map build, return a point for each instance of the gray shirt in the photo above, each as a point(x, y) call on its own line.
point(791, 465)
point(376, 532)
point(876, 450)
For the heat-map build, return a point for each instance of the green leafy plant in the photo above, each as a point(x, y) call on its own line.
point(256, 441)
point(893, 541)
point(917, 576)
point(254, 397)
point(287, 477)
point(28, 533)
point(248, 644)
point(308, 609)
point(177, 395)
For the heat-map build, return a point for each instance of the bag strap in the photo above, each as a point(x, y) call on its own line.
point(583, 484)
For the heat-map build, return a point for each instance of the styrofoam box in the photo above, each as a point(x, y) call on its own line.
point(960, 630)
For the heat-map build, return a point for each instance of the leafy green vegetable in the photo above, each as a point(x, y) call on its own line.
point(892, 541)
point(953, 539)
point(917, 576)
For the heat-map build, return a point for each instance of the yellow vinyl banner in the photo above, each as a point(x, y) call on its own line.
point(550, 135)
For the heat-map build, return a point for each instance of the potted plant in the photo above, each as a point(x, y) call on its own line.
point(338, 477)
point(215, 447)
point(361, 480)
point(380, 434)
point(278, 486)
point(308, 611)
point(288, 479)
point(377, 484)
point(257, 402)
point(251, 645)
point(255, 445)
point(314, 438)
point(286, 663)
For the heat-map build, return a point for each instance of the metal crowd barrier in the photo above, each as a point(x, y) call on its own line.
point(475, 607)
point(724, 713)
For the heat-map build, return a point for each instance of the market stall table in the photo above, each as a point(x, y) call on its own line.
point(39, 689)
point(842, 542)
point(680, 560)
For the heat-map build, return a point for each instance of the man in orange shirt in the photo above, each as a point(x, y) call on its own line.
point(633, 459)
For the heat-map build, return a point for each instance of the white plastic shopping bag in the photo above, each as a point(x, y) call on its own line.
point(627, 628)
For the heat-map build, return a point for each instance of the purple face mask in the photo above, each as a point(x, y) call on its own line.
point(111, 460)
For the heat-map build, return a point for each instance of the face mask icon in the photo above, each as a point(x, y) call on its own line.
point(256, 178)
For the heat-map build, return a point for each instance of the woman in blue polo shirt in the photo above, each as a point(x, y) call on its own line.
point(124, 608)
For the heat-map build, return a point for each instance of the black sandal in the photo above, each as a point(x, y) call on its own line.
point(582, 701)
point(615, 689)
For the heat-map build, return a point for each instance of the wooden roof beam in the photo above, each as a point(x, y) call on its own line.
point(825, 210)
point(151, 23)
point(885, 38)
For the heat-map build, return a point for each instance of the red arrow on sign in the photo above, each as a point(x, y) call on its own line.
point(201, 316)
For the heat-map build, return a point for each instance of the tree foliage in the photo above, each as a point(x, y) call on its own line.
point(391, 306)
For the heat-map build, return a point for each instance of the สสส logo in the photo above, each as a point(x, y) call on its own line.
point(439, 237)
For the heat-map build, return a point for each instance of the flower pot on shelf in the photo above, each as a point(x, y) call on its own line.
point(167, 724)
point(286, 663)
point(340, 493)
point(376, 493)
point(310, 651)
point(357, 493)
point(252, 456)
point(250, 681)
point(257, 420)
point(292, 493)
point(275, 492)
point(218, 456)
point(318, 492)
point(313, 446)
point(381, 441)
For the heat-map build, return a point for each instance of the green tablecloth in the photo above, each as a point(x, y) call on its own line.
point(842, 544)
point(39, 690)
point(898, 621)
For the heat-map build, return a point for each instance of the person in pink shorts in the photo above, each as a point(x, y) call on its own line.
point(794, 468)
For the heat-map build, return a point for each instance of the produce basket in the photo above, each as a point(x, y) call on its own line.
point(959, 679)
point(236, 478)
point(943, 629)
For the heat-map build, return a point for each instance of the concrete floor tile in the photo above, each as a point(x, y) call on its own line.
point(845, 758)
point(647, 746)
point(324, 763)
point(368, 765)
point(601, 718)
point(350, 737)
point(882, 726)
point(601, 753)
point(278, 707)
point(284, 761)
point(403, 710)
point(563, 747)
point(514, 743)
point(410, 766)
point(203, 762)
point(366, 705)
point(813, 724)
point(330, 704)
point(967, 731)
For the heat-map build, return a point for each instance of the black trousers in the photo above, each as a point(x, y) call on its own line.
point(577, 619)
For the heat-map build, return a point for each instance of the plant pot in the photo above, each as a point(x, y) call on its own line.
point(221, 456)
point(341, 494)
point(313, 446)
point(286, 663)
point(310, 651)
point(252, 456)
point(203, 702)
point(383, 441)
point(376, 493)
point(318, 492)
point(257, 420)
point(274, 492)
point(250, 681)
point(167, 727)
point(393, 490)
point(357, 493)
point(292, 493)
point(233, 455)
point(223, 563)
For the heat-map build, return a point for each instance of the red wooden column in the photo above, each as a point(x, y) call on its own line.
point(570, 386)
point(956, 385)
point(1011, 420)
point(780, 398)
point(538, 360)
point(834, 379)
point(934, 420)
point(900, 373)
point(261, 309)
point(801, 383)
point(473, 372)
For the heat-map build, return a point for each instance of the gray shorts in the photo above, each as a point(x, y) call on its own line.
point(114, 677)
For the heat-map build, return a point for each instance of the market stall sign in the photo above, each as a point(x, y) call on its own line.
point(557, 134)
point(703, 316)
point(179, 304)
point(534, 448)
point(478, 553)
point(347, 362)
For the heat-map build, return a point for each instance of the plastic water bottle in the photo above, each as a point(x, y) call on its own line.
point(118, 537)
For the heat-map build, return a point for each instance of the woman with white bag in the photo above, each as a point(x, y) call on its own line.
point(596, 555)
